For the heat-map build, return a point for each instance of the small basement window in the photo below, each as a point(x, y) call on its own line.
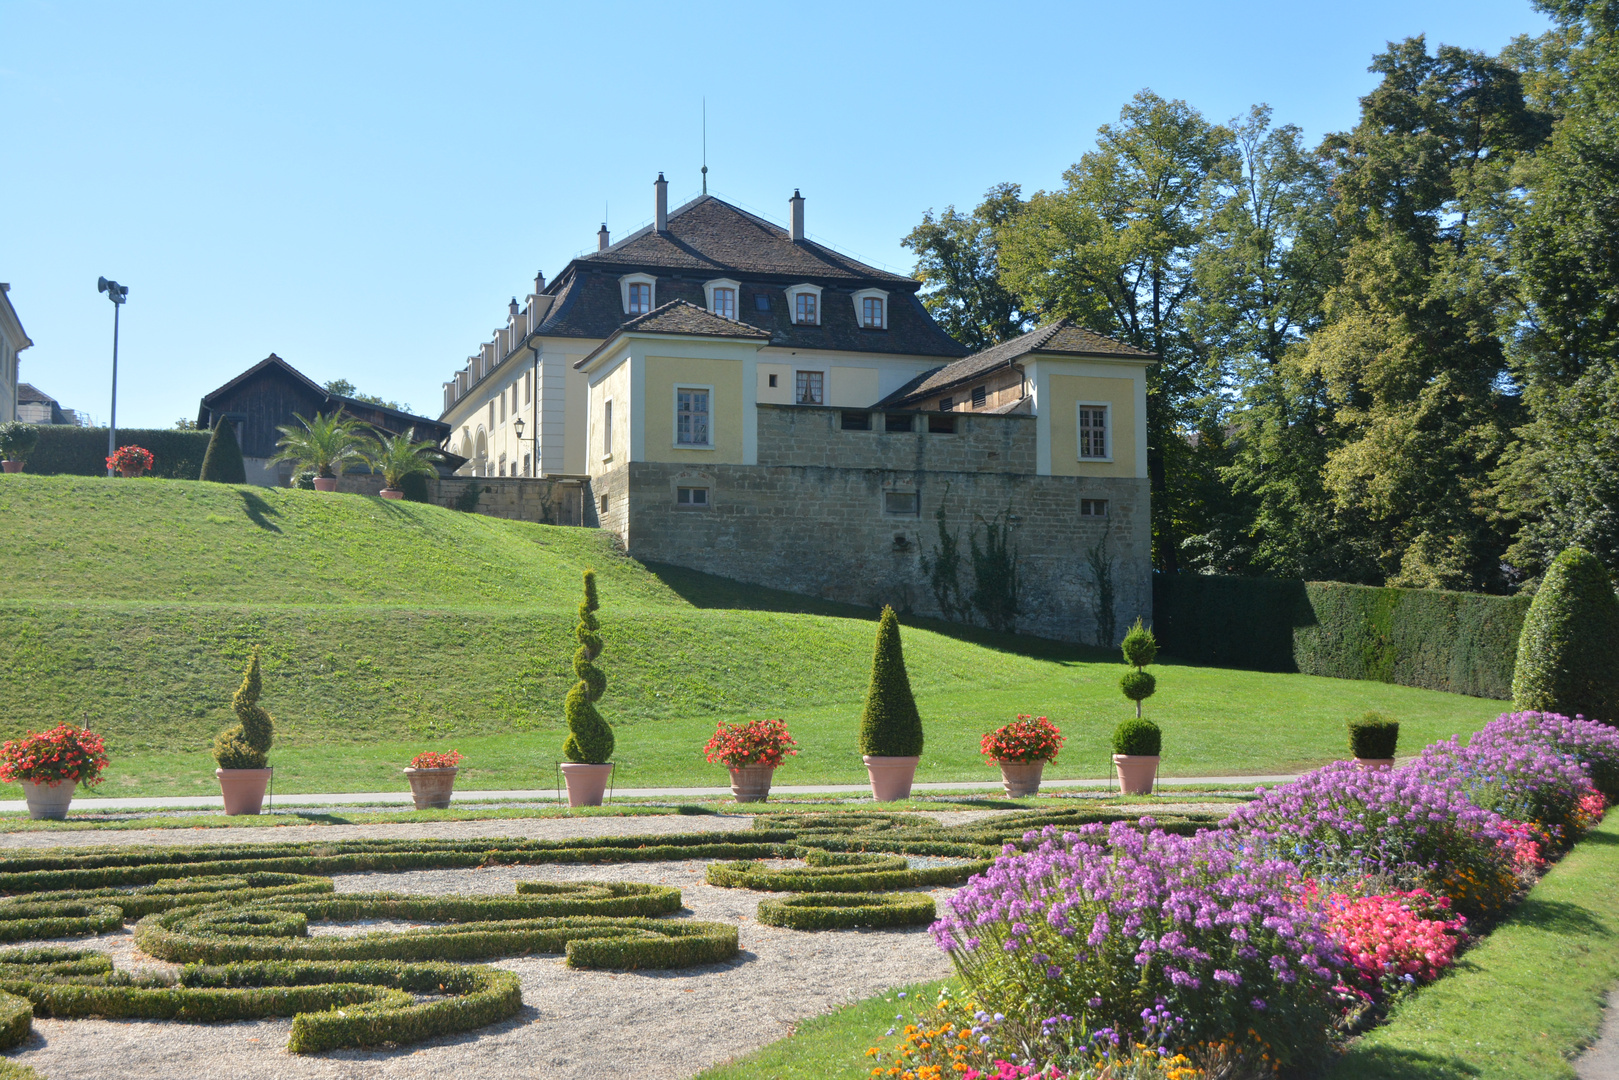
point(980, 396)
point(1093, 508)
point(604, 504)
point(857, 421)
point(897, 422)
point(691, 496)
point(941, 425)
point(907, 503)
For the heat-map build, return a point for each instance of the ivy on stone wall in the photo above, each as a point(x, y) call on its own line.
point(994, 595)
point(944, 571)
point(1101, 564)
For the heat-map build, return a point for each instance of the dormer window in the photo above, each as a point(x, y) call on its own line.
point(871, 309)
point(804, 302)
point(722, 295)
point(640, 293)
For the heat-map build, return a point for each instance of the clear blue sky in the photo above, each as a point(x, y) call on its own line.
point(360, 188)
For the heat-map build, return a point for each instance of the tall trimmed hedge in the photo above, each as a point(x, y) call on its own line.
point(75, 451)
point(1568, 655)
point(1463, 643)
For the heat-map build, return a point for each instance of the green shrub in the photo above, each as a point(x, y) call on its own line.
point(1568, 653)
point(466, 500)
point(33, 920)
point(1137, 737)
point(415, 488)
point(1140, 649)
point(74, 451)
point(222, 463)
point(303, 480)
point(17, 440)
point(246, 745)
point(16, 1020)
point(853, 872)
point(842, 911)
point(1373, 736)
point(589, 740)
point(890, 725)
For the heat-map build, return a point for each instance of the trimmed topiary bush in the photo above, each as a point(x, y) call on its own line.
point(17, 440)
point(590, 740)
point(827, 872)
point(222, 464)
point(247, 745)
point(842, 911)
point(1138, 738)
point(1373, 736)
point(1568, 652)
point(1140, 649)
point(890, 725)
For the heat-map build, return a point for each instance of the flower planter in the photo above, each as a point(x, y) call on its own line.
point(391, 493)
point(586, 783)
point(131, 474)
point(243, 789)
point(11, 466)
point(1375, 762)
point(891, 777)
point(751, 783)
point(1021, 779)
point(325, 483)
point(430, 789)
point(1136, 772)
point(45, 802)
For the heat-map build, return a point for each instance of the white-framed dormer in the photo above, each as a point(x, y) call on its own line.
point(871, 309)
point(695, 403)
point(796, 311)
point(724, 297)
point(638, 287)
point(1093, 423)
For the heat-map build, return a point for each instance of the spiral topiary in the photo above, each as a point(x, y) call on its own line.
point(590, 740)
point(247, 745)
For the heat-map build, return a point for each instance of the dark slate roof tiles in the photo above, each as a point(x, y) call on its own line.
point(1063, 337)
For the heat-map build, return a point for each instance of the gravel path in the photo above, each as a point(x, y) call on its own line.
point(575, 1024)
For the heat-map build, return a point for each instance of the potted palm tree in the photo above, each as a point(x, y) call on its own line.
point(17, 441)
point(396, 457)
point(323, 444)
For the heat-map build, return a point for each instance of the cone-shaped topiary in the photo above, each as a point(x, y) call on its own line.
point(590, 740)
point(247, 745)
point(1568, 650)
point(1140, 649)
point(223, 461)
point(891, 726)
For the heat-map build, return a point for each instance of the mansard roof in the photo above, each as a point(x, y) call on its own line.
point(1061, 338)
point(680, 317)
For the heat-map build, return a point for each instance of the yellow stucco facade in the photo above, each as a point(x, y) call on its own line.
point(1066, 393)
point(722, 379)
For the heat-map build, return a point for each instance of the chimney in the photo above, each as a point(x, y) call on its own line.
point(601, 238)
point(539, 283)
point(662, 187)
point(797, 204)
point(512, 309)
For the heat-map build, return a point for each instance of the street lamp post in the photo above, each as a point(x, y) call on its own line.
point(116, 293)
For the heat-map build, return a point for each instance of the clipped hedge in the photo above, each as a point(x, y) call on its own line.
point(16, 1019)
point(840, 873)
point(33, 920)
point(77, 451)
point(843, 911)
point(1462, 643)
point(177, 892)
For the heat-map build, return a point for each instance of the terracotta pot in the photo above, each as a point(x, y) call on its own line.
point(430, 789)
point(11, 466)
point(325, 483)
point(1375, 762)
point(586, 783)
point(391, 493)
point(46, 803)
point(751, 783)
point(1021, 779)
point(891, 777)
point(243, 789)
point(1136, 772)
point(131, 474)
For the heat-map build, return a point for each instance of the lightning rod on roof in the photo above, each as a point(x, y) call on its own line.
point(705, 145)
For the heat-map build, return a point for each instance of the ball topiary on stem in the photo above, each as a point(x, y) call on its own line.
point(1568, 650)
point(1140, 649)
point(590, 740)
point(247, 745)
point(890, 726)
point(1137, 738)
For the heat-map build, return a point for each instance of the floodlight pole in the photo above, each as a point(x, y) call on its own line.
point(112, 424)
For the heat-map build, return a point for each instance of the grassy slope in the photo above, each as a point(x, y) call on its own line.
point(388, 626)
point(1525, 1001)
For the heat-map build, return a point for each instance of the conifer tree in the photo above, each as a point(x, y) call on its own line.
point(590, 740)
point(891, 726)
point(1568, 650)
point(222, 463)
point(247, 745)
point(1140, 649)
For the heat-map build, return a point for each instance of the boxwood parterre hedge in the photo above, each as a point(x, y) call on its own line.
point(843, 911)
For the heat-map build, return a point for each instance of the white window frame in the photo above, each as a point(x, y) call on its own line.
point(736, 296)
point(624, 284)
point(792, 303)
point(607, 430)
point(1107, 431)
point(860, 298)
point(810, 371)
point(674, 411)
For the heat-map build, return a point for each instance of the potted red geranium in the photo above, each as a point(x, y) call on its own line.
point(1022, 749)
point(752, 751)
point(432, 778)
point(130, 460)
point(49, 763)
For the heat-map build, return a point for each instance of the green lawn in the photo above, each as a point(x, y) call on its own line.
point(388, 628)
